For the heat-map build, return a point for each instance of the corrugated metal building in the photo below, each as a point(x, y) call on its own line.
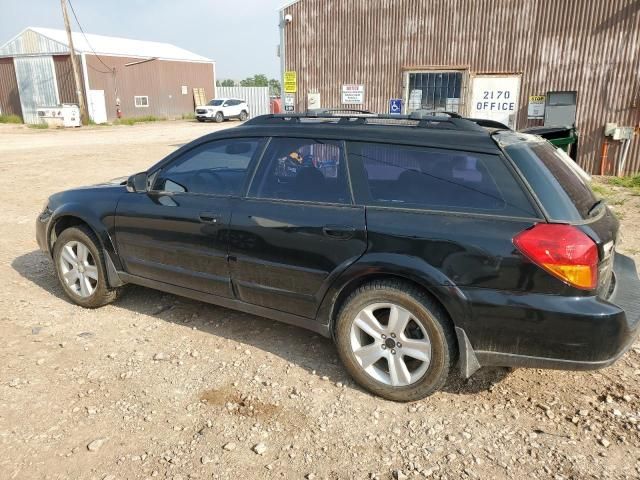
point(257, 98)
point(138, 77)
point(500, 59)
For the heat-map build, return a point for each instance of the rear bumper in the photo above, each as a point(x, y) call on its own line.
point(546, 331)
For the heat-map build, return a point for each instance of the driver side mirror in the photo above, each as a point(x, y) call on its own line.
point(137, 183)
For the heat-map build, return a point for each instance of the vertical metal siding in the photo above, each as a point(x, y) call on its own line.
point(30, 42)
point(64, 77)
point(9, 96)
point(256, 97)
point(37, 85)
point(160, 80)
point(590, 47)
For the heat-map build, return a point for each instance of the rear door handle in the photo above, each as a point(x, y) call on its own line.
point(210, 217)
point(339, 232)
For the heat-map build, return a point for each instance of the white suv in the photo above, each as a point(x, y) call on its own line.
point(220, 109)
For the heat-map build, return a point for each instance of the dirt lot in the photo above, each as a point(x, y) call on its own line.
point(160, 386)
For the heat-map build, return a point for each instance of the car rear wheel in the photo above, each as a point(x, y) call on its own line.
point(219, 117)
point(80, 267)
point(243, 116)
point(395, 340)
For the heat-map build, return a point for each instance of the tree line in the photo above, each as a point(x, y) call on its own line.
point(258, 80)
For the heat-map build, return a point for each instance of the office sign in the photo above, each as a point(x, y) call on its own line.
point(495, 97)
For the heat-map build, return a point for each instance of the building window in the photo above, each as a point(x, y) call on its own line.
point(141, 101)
point(434, 91)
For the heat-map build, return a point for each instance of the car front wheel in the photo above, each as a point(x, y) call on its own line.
point(395, 340)
point(80, 267)
point(219, 117)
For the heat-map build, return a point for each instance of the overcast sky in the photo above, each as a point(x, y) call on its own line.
point(240, 35)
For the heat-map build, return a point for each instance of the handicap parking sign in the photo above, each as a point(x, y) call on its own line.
point(395, 106)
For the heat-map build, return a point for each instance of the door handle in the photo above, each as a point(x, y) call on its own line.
point(339, 232)
point(210, 217)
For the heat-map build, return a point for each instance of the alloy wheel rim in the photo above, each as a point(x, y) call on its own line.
point(78, 268)
point(390, 345)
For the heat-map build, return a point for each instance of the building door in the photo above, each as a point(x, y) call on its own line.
point(434, 91)
point(37, 85)
point(495, 97)
point(97, 106)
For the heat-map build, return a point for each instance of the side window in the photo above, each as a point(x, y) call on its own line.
point(418, 177)
point(215, 168)
point(302, 169)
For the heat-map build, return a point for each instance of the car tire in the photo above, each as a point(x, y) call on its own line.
point(89, 288)
point(200, 120)
point(219, 118)
point(427, 333)
point(243, 116)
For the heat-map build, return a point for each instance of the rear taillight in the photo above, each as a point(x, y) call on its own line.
point(563, 251)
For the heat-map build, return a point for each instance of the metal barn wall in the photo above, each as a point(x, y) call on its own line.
point(29, 43)
point(9, 96)
point(256, 97)
point(589, 46)
point(37, 85)
point(160, 80)
point(64, 78)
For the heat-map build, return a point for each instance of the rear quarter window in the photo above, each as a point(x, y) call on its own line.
point(433, 179)
point(563, 194)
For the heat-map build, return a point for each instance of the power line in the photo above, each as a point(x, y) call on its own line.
point(87, 40)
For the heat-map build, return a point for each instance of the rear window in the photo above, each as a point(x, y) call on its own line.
point(563, 194)
point(425, 178)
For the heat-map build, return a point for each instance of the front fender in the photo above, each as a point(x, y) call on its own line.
point(100, 220)
point(411, 268)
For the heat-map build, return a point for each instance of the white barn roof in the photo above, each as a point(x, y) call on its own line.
point(34, 40)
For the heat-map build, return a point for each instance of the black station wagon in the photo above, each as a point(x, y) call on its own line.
point(417, 243)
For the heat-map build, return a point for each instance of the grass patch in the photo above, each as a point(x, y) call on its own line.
point(10, 119)
point(631, 182)
point(189, 116)
point(134, 120)
point(39, 126)
point(601, 190)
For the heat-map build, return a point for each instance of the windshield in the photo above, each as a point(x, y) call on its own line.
point(215, 103)
point(564, 195)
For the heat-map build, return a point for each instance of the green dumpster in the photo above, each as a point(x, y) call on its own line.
point(565, 138)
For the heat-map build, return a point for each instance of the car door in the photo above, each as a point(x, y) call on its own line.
point(176, 232)
point(297, 229)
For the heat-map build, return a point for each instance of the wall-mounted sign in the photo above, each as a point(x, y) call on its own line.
point(395, 106)
point(536, 106)
point(495, 97)
point(289, 102)
point(290, 82)
point(185, 90)
point(313, 100)
point(352, 94)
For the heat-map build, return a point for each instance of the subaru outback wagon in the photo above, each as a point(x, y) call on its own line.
point(416, 243)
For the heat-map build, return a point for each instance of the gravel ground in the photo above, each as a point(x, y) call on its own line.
point(160, 386)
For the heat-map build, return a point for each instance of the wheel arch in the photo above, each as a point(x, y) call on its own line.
point(411, 270)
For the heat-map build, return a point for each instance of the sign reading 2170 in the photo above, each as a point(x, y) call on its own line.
point(496, 98)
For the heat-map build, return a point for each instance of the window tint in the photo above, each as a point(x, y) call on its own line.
point(215, 103)
point(564, 195)
point(417, 177)
point(217, 168)
point(303, 169)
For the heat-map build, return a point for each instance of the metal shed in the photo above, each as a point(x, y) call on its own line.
point(132, 77)
point(466, 55)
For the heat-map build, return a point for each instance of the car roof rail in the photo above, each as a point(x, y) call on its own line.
point(419, 119)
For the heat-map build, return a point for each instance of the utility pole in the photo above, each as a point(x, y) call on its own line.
point(84, 115)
